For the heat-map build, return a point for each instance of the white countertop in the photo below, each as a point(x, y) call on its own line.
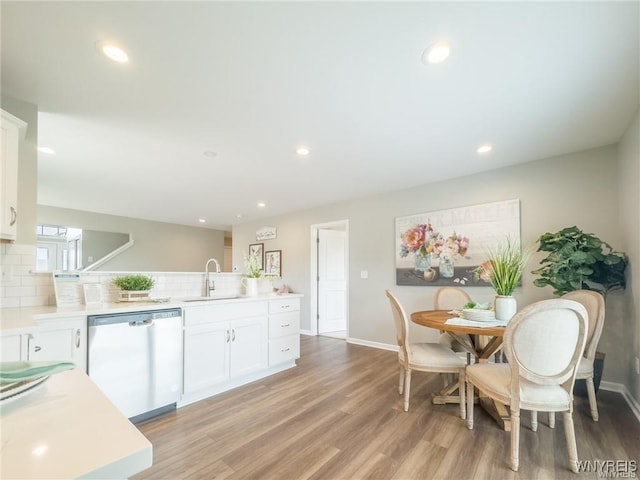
point(25, 317)
point(67, 428)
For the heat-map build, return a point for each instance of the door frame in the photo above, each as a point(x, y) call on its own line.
point(313, 297)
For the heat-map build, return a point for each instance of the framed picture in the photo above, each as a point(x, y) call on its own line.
point(445, 247)
point(273, 263)
point(257, 249)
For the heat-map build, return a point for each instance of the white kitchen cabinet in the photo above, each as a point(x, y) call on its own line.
point(11, 133)
point(284, 330)
point(59, 340)
point(222, 343)
point(11, 348)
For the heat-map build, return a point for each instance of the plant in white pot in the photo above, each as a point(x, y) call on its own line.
point(503, 270)
point(253, 273)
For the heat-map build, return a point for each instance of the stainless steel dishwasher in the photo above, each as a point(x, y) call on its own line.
point(136, 359)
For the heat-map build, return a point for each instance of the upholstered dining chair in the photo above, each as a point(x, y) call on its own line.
point(543, 344)
point(594, 303)
point(423, 357)
point(451, 298)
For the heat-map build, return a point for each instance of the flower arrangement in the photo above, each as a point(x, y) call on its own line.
point(424, 240)
point(504, 268)
point(253, 265)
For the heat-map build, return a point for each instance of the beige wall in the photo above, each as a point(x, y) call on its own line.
point(628, 332)
point(158, 247)
point(27, 168)
point(576, 189)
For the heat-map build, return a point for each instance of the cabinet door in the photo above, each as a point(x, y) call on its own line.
point(9, 140)
point(206, 355)
point(52, 345)
point(249, 346)
point(11, 348)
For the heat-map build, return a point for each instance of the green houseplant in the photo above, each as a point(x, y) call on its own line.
point(503, 270)
point(134, 287)
point(253, 272)
point(579, 260)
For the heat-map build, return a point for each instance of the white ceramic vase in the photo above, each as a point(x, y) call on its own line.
point(250, 286)
point(505, 307)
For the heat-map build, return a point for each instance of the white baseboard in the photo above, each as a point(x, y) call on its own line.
point(367, 343)
point(307, 332)
point(626, 394)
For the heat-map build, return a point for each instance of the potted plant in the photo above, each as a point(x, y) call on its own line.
point(579, 260)
point(253, 273)
point(503, 270)
point(134, 288)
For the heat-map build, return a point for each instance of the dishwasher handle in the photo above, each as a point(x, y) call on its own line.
point(141, 323)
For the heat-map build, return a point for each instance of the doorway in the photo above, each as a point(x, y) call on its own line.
point(330, 279)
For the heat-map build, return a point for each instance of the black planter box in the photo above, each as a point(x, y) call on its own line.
point(580, 388)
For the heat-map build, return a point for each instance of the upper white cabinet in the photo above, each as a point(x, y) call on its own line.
point(12, 132)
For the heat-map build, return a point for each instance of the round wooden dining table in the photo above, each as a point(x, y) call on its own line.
point(482, 351)
point(437, 319)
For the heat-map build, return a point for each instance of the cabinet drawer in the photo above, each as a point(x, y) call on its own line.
point(283, 349)
point(284, 305)
point(223, 312)
point(284, 324)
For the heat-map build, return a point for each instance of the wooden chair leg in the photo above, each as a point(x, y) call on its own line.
point(461, 390)
point(469, 405)
point(552, 419)
point(407, 388)
point(570, 435)
point(534, 420)
point(593, 404)
point(401, 381)
point(515, 439)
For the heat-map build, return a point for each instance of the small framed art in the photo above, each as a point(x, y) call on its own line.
point(273, 263)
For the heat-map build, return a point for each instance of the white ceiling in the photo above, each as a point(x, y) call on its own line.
point(252, 81)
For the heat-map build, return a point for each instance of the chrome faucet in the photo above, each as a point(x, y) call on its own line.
point(209, 284)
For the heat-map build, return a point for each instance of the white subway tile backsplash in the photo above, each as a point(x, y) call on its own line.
point(27, 288)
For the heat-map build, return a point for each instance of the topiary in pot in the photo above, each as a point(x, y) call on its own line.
point(579, 260)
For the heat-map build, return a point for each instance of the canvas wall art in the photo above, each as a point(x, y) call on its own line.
point(444, 247)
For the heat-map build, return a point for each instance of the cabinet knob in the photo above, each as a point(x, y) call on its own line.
point(285, 349)
point(233, 335)
point(286, 325)
point(78, 338)
point(228, 336)
point(14, 216)
point(285, 306)
point(37, 348)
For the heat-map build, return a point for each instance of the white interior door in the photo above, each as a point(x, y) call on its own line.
point(332, 281)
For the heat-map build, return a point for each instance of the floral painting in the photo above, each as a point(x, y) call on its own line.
point(444, 247)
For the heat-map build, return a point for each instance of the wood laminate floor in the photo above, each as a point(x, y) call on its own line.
point(338, 415)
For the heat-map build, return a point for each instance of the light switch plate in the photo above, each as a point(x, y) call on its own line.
point(364, 274)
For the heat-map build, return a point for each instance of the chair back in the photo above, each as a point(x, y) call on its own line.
point(402, 325)
point(594, 303)
point(450, 298)
point(544, 342)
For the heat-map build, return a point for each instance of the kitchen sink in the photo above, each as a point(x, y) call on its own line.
point(210, 299)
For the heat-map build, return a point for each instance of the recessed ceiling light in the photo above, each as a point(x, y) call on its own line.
point(47, 150)
point(262, 204)
point(436, 53)
point(202, 220)
point(302, 151)
point(114, 53)
point(238, 215)
point(210, 154)
point(484, 148)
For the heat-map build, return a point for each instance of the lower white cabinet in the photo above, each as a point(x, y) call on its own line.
point(284, 330)
point(222, 343)
point(11, 348)
point(62, 340)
